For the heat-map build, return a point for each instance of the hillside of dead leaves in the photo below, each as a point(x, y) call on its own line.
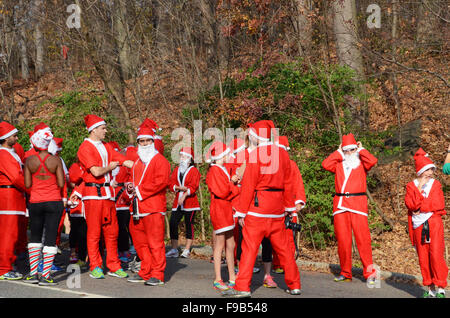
point(422, 96)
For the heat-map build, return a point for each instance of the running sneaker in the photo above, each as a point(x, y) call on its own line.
point(440, 295)
point(125, 257)
point(278, 270)
point(428, 294)
point(256, 270)
point(293, 291)
point(11, 275)
point(118, 273)
point(342, 278)
point(97, 273)
point(268, 282)
point(172, 253)
point(231, 283)
point(220, 285)
point(47, 281)
point(55, 269)
point(154, 282)
point(371, 281)
point(231, 292)
point(135, 278)
point(185, 254)
point(31, 279)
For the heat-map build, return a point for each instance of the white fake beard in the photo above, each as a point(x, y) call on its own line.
point(146, 153)
point(352, 160)
point(184, 165)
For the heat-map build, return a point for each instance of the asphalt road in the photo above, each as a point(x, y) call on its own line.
point(193, 278)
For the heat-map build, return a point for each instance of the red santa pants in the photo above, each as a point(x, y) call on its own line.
point(344, 223)
point(101, 218)
point(9, 231)
point(431, 255)
point(254, 230)
point(276, 263)
point(148, 239)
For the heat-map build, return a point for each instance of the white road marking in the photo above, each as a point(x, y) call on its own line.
point(82, 294)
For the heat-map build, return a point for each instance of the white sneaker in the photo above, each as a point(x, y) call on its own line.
point(185, 254)
point(172, 253)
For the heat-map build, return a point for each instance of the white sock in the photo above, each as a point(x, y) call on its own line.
point(441, 290)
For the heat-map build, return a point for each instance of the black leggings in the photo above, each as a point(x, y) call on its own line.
point(266, 253)
point(175, 219)
point(123, 240)
point(45, 215)
point(77, 236)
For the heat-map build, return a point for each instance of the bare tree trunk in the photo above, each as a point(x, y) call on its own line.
point(38, 38)
point(427, 23)
point(302, 25)
point(345, 29)
point(122, 38)
point(22, 40)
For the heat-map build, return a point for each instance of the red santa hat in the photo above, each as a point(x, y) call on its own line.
point(6, 130)
point(422, 161)
point(187, 151)
point(149, 123)
point(93, 121)
point(283, 142)
point(217, 151)
point(145, 132)
point(349, 142)
point(59, 143)
point(261, 130)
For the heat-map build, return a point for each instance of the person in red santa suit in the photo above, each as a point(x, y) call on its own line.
point(184, 182)
point(426, 205)
point(150, 179)
point(265, 195)
point(299, 200)
point(12, 200)
point(98, 159)
point(222, 189)
point(350, 164)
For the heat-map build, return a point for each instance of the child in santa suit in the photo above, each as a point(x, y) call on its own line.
point(425, 202)
point(98, 159)
point(350, 164)
point(147, 190)
point(184, 182)
point(299, 200)
point(222, 189)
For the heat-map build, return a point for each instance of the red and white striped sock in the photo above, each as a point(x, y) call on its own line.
point(49, 253)
point(34, 253)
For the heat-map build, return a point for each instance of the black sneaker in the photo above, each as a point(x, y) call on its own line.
point(47, 281)
point(154, 282)
point(31, 279)
point(135, 278)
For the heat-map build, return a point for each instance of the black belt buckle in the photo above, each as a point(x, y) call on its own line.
point(347, 195)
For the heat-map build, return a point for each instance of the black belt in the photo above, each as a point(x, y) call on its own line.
point(269, 190)
point(98, 186)
point(425, 233)
point(120, 191)
point(349, 194)
point(9, 186)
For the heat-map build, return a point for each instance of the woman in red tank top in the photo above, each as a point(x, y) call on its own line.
point(44, 176)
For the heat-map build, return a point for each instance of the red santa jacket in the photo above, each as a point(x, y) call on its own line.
point(222, 191)
point(354, 182)
point(12, 199)
point(265, 190)
point(76, 177)
point(433, 201)
point(89, 156)
point(191, 180)
point(150, 182)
